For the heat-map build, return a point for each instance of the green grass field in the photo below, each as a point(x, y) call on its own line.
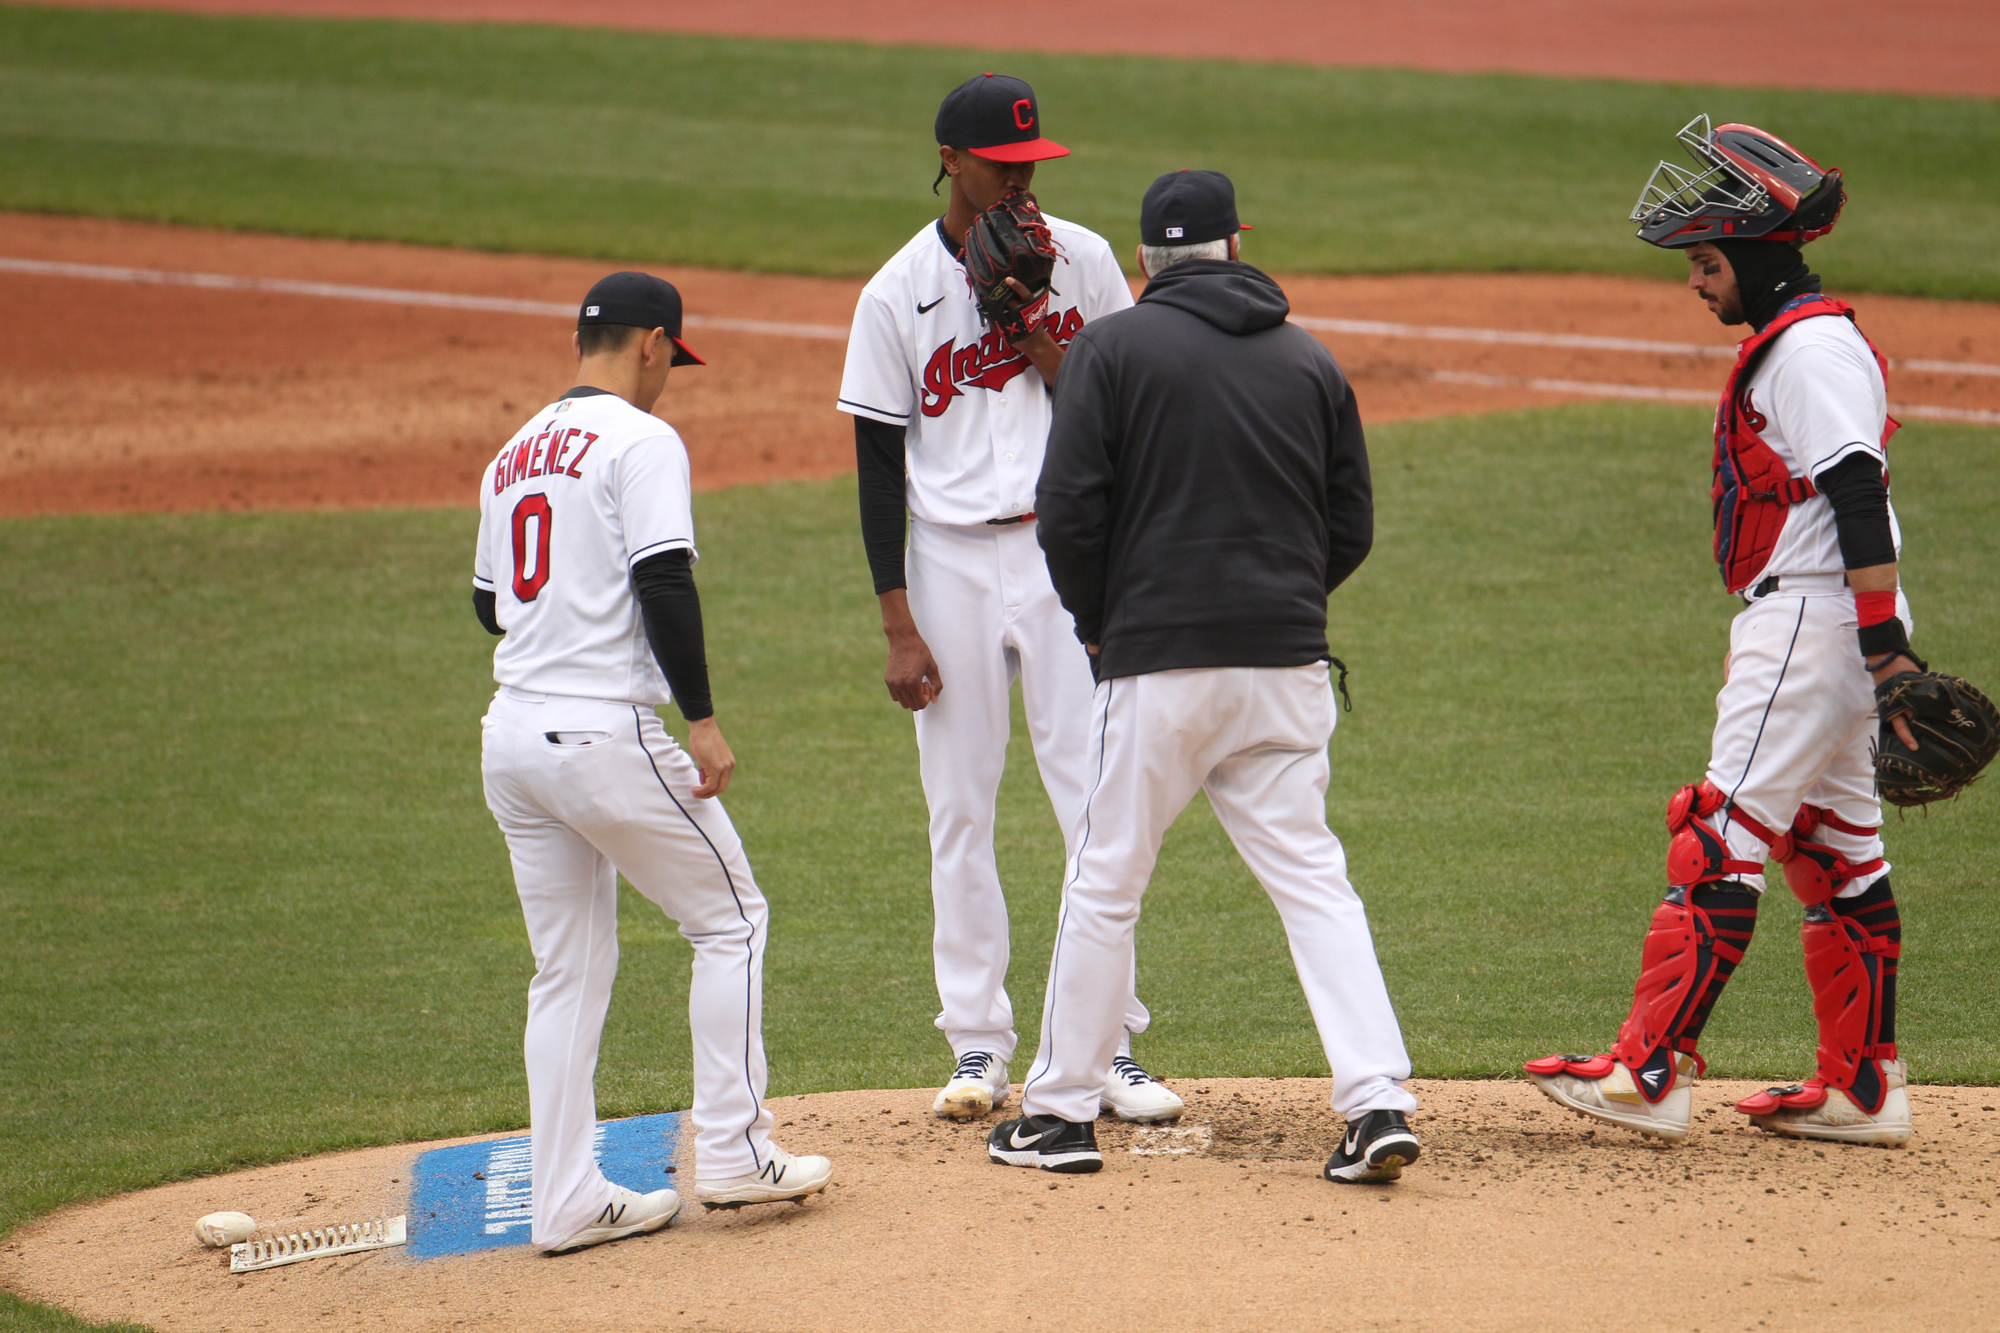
point(255, 907)
point(816, 157)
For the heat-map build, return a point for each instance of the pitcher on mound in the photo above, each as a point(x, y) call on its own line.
point(1805, 535)
point(951, 416)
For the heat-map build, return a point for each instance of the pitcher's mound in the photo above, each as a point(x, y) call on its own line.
point(1518, 1216)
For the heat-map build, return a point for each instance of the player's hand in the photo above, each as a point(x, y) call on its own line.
point(1899, 722)
point(711, 755)
point(912, 673)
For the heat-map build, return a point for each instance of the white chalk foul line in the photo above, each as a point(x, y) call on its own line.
point(836, 333)
point(340, 291)
point(1654, 394)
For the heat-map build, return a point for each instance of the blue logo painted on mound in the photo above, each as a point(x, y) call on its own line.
point(475, 1196)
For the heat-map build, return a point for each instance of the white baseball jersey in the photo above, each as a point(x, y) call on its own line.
point(1822, 397)
point(588, 488)
point(977, 414)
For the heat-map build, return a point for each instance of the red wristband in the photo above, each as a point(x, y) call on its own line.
point(1872, 608)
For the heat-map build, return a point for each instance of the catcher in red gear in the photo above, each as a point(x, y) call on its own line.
point(1806, 537)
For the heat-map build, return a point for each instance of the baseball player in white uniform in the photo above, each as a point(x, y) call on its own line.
point(950, 423)
point(1805, 535)
point(586, 547)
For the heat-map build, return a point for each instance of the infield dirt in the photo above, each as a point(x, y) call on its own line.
point(1934, 47)
point(128, 397)
point(1517, 1217)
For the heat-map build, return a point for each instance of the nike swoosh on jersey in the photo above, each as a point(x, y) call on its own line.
point(923, 309)
point(1015, 1140)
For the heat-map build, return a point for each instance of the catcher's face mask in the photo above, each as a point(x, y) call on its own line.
point(1746, 184)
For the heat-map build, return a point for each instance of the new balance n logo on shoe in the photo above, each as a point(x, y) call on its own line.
point(611, 1216)
point(773, 1172)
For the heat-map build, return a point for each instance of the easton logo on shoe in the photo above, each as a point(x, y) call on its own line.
point(986, 364)
point(1652, 1076)
point(1015, 1140)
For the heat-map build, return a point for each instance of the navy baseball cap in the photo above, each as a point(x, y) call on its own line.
point(640, 301)
point(1188, 207)
point(995, 117)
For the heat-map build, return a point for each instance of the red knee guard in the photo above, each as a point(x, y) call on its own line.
point(1698, 853)
point(1844, 967)
point(1815, 872)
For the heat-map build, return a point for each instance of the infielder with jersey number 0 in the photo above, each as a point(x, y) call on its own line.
point(1822, 698)
point(585, 565)
point(950, 400)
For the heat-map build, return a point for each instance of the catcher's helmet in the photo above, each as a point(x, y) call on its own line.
point(1749, 184)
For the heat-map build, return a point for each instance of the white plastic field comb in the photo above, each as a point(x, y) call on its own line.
point(319, 1243)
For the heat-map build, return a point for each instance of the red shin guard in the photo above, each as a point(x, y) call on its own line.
point(1677, 967)
point(1845, 966)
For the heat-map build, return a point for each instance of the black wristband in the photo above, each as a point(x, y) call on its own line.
point(1887, 636)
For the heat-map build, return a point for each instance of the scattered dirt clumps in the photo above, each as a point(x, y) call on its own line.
point(1517, 1215)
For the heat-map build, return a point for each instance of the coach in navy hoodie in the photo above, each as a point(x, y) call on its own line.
point(1206, 482)
point(1205, 488)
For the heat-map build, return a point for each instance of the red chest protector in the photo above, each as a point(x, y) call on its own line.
point(1754, 489)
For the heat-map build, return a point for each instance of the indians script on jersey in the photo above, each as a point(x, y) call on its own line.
point(986, 364)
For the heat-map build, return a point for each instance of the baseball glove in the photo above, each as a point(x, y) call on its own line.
point(1011, 240)
point(1956, 728)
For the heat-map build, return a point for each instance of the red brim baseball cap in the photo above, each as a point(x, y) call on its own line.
point(995, 117)
point(1035, 150)
point(684, 355)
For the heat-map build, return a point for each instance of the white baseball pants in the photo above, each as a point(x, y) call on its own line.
point(982, 599)
point(618, 796)
point(1255, 739)
point(1795, 722)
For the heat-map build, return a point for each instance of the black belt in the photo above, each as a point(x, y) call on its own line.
point(1010, 522)
point(1771, 583)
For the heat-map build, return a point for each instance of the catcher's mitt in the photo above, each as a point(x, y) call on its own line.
point(1011, 240)
point(1957, 732)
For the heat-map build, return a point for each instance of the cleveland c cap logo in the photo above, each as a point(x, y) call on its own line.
point(1024, 114)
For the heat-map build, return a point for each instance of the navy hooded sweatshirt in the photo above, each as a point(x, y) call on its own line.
point(1206, 483)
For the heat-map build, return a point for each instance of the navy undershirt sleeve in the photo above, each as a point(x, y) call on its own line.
point(482, 606)
point(1860, 500)
point(878, 463)
point(664, 585)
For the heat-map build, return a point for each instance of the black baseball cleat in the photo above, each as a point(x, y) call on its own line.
point(1046, 1141)
point(1375, 1150)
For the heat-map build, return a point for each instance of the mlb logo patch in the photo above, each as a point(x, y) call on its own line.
point(1175, 233)
point(591, 309)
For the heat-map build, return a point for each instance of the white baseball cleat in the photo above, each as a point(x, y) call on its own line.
point(1601, 1088)
point(782, 1178)
point(1137, 1096)
point(1815, 1111)
point(977, 1087)
point(628, 1214)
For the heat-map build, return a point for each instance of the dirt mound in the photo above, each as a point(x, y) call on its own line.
point(1518, 1216)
